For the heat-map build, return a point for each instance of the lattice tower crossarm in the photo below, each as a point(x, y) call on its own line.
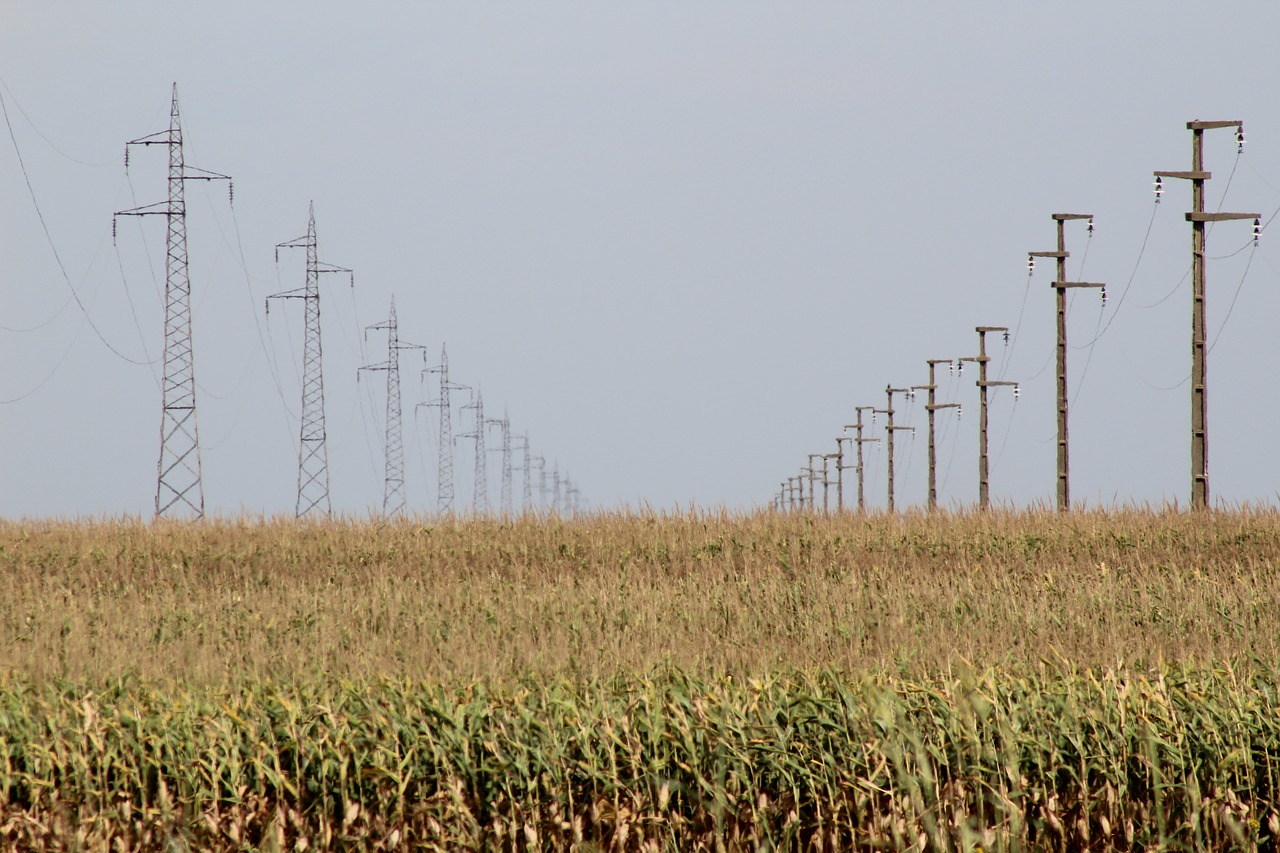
point(179, 485)
point(313, 464)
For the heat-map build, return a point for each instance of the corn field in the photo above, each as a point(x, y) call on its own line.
point(1003, 681)
point(1062, 760)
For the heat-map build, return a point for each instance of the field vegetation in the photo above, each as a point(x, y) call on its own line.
point(465, 600)
point(1012, 680)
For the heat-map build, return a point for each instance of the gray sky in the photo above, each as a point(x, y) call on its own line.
point(678, 242)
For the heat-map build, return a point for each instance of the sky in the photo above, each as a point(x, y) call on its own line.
point(675, 242)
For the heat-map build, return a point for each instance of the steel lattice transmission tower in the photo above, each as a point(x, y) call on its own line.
point(527, 496)
point(444, 464)
point(480, 496)
point(393, 486)
point(504, 423)
point(541, 462)
point(313, 464)
point(179, 490)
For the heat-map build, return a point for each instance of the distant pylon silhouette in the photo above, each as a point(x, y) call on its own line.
point(541, 462)
point(444, 463)
point(504, 424)
point(480, 496)
point(527, 496)
point(393, 499)
point(179, 490)
point(313, 456)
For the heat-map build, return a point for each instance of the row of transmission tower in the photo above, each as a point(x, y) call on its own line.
point(179, 486)
point(801, 490)
point(564, 495)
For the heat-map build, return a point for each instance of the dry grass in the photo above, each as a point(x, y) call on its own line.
point(462, 600)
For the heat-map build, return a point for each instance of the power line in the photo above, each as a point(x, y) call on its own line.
point(35, 203)
point(44, 136)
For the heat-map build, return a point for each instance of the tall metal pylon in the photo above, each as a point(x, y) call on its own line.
point(480, 495)
point(541, 462)
point(504, 423)
point(555, 489)
point(444, 460)
point(393, 483)
point(313, 455)
point(179, 488)
point(527, 496)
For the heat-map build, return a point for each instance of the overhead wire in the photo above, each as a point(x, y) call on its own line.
point(911, 435)
point(43, 381)
point(43, 135)
point(368, 395)
point(35, 203)
point(946, 431)
point(1253, 244)
point(48, 376)
point(1217, 335)
point(272, 366)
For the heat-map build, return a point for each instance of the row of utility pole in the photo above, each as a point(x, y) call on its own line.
point(792, 494)
point(179, 487)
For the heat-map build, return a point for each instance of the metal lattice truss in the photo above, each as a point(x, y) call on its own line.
point(179, 490)
point(313, 464)
point(480, 495)
point(393, 496)
point(444, 463)
point(504, 423)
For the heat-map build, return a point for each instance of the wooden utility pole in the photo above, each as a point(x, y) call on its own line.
point(826, 483)
point(1061, 285)
point(984, 488)
point(891, 429)
point(931, 407)
point(1197, 217)
point(840, 469)
point(813, 477)
point(858, 440)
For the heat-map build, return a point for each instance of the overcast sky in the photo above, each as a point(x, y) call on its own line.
point(677, 242)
